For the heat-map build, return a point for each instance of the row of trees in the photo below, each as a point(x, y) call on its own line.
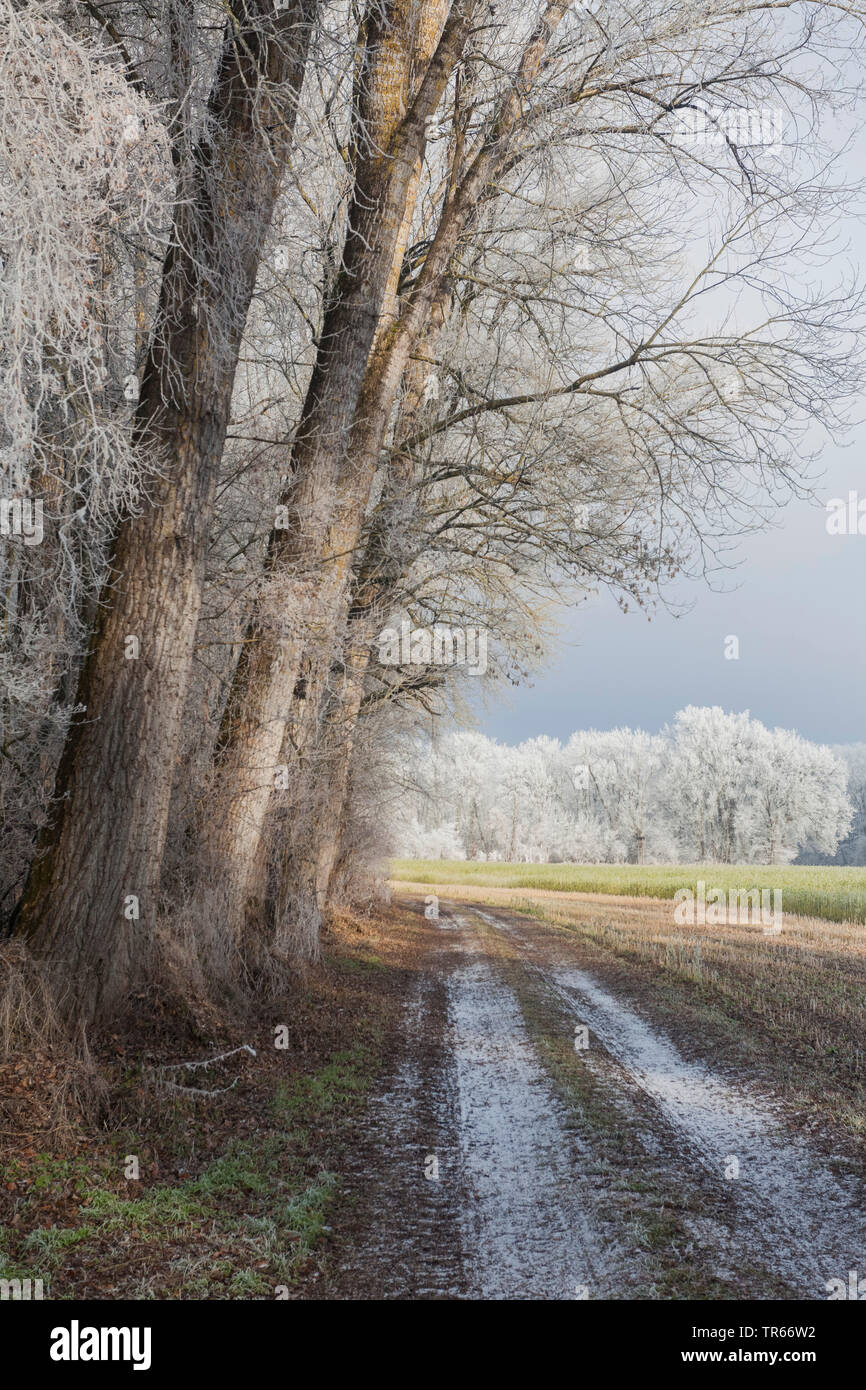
point(711, 787)
point(322, 315)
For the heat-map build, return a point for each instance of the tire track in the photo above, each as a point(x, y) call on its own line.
point(790, 1210)
point(530, 1226)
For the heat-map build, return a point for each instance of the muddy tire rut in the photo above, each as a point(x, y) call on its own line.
point(480, 1172)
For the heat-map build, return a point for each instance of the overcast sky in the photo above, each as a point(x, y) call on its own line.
point(799, 612)
point(797, 603)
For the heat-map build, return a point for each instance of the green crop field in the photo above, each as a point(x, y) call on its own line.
point(837, 894)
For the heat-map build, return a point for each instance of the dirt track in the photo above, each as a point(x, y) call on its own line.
point(502, 1160)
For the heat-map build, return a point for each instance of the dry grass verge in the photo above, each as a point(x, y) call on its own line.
point(234, 1192)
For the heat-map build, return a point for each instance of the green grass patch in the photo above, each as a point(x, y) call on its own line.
point(335, 1087)
point(260, 1207)
point(836, 894)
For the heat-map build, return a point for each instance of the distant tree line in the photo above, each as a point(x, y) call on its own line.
point(712, 787)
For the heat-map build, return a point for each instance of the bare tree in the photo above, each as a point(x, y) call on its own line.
point(409, 51)
point(670, 421)
point(542, 337)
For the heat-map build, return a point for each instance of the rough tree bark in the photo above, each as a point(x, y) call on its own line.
point(340, 444)
point(104, 846)
point(309, 562)
point(308, 866)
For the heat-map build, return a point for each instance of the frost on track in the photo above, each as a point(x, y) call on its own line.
point(510, 1214)
point(529, 1230)
point(790, 1212)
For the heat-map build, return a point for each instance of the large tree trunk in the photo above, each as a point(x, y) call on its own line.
point(322, 787)
point(310, 561)
point(309, 853)
point(91, 898)
point(341, 438)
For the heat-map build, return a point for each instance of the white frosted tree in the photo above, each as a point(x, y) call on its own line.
point(86, 186)
point(714, 787)
point(800, 796)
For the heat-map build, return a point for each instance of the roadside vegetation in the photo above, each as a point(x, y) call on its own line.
point(213, 1183)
